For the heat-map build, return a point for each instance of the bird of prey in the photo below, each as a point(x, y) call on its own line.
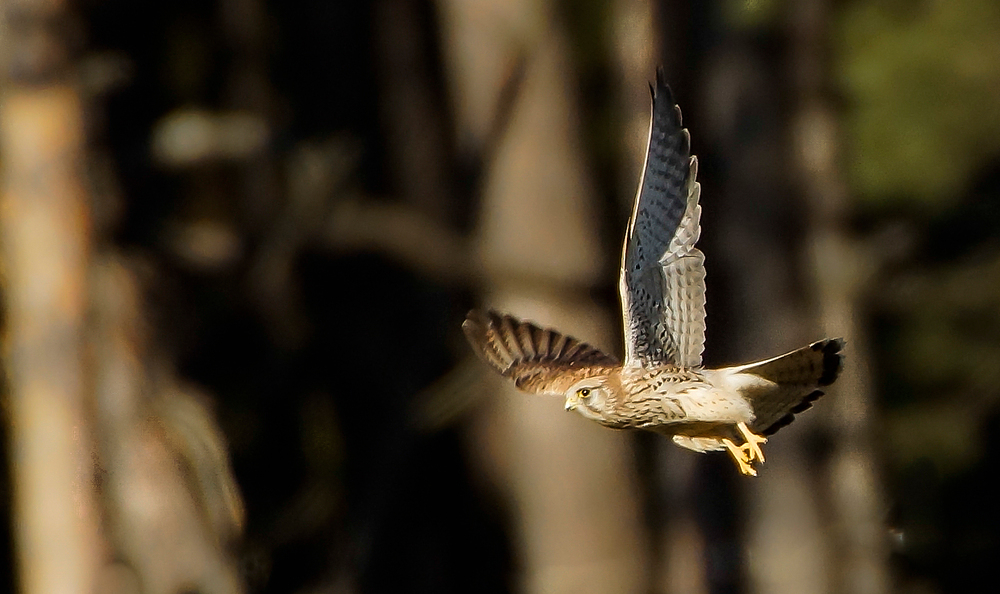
point(661, 386)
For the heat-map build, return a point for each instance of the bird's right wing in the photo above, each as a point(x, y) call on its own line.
point(540, 361)
point(662, 283)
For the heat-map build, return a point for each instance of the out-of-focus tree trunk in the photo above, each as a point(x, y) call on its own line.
point(248, 89)
point(569, 482)
point(172, 507)
point(264, 209)
point(46, 244)
point(860, 551)
point(418, 146)
point(635, 55)
point(82, 408)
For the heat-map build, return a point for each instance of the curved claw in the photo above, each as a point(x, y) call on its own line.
point(748, 452)
point(751, 447)
point(741, 458)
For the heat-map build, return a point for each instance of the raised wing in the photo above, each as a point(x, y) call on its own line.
point(662, 282)
point(539, 361)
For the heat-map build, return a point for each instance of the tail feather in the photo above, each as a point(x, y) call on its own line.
point(802, 406)
point(792, 382)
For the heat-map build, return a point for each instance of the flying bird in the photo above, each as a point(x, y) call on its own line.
point(661, 386)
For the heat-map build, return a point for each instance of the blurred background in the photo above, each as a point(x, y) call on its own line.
point(239, 238)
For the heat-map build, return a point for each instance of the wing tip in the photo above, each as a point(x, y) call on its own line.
point(474, 326)
point(661, 80)
point(478, 326)
point(660, 90)
point(477, 323)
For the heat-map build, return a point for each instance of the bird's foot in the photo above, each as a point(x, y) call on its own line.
point(741, 457)
point(752, 446)
point(748, 452)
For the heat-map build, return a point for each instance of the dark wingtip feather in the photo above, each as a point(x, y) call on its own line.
point(661, 90)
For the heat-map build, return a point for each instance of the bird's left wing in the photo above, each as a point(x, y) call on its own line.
point(540, 361)
point(662, 282)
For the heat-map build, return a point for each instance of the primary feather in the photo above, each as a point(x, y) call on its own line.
point(539, 360)
point(662, 281)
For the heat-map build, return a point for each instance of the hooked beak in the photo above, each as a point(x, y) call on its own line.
point(571, 403)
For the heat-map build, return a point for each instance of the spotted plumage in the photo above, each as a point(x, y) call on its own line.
point(661, 386)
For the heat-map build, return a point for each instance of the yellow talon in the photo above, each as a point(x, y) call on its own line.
point(741, 458)
point(751, 446)
point(748, 452)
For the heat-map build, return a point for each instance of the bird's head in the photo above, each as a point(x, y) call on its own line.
point(590, 397)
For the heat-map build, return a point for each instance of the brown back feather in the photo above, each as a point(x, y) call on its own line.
point(539, 360)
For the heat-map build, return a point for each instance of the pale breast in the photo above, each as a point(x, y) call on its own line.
point(668, 396)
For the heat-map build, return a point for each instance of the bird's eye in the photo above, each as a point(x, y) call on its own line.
point(583, 392)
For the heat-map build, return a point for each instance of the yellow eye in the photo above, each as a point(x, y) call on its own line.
point(583, 392)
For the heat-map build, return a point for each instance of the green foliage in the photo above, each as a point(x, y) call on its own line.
point(946, 323)
point(752, 14)
point(923, 86)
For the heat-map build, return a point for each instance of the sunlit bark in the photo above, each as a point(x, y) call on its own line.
point(45, 246)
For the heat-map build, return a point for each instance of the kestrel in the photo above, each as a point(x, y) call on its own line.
point(662, 386)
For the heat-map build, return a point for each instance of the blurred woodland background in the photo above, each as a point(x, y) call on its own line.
point(239, 237)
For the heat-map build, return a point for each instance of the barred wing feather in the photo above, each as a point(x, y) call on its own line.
point(539, 360)
point(662, 282)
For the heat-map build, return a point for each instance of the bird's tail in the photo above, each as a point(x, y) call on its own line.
point(792, 382)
